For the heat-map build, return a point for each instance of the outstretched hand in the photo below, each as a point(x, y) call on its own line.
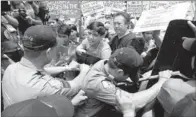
point(79, 98)
point(165, 75)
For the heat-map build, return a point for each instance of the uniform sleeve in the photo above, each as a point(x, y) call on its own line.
point(105, 92)
point(48, 85)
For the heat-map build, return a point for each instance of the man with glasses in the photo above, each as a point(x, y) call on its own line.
point(123, 37)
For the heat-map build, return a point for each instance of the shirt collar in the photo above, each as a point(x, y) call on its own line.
point(126, 33)
point(109, 77)
point(27, 63)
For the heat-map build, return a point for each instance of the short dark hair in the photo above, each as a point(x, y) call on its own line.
point(63, 29)
point(125, 15)
point(98, 27)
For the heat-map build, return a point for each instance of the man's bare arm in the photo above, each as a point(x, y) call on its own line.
point(140, 99)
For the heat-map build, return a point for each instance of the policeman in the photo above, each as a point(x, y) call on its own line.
point(99, 83)
point(27, 79)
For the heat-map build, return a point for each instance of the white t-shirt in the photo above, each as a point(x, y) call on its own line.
point(103, 50)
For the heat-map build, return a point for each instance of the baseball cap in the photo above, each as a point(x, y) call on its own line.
point(39, 37)
point(129, 60)
point(50, 106)
point(190, 45)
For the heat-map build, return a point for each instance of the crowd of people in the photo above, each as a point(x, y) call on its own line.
point(47, 69)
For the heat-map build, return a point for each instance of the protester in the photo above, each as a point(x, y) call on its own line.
point(34, 6)
point(63, 64)
point(28, 80)
point(149, 42)
point(99, 83)
point(63, 32)
point(124, 38)
point(151, 48)
point(9, 23)
point(43, 12)
point(74, 35)
point(8, 19)
point(25, 17)
point(94, 44)
point(10, 44)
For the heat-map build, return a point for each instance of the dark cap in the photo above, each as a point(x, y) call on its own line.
point(39, 37)
point(190, 45)
point(50, 106)
point(129, 60)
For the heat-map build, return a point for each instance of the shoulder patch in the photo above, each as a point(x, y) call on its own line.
point(107, 85)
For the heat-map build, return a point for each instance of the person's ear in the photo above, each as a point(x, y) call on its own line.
point(48, 51)
point(120, 72)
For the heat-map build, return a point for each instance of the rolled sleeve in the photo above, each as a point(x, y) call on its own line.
point(104, 91)
point(49, 85)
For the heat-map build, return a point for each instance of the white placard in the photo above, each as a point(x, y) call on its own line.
point(135, 8)
point(92, 7)
point(158, 19)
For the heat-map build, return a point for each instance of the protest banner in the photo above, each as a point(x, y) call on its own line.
point(115, 6)
point(91, 7)
point(64, 8)
point(158, 19)
point(135, 8)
